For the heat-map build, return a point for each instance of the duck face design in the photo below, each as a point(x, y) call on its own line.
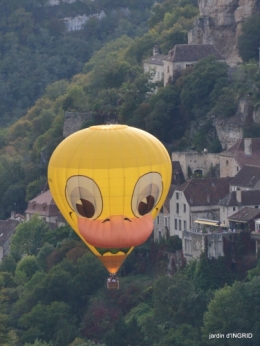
point(119, 219)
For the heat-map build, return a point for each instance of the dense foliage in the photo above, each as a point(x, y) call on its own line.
point(51, 287)
point(36, 49)
point(56, 296)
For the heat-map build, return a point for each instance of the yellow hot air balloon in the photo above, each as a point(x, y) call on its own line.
point(109, 182)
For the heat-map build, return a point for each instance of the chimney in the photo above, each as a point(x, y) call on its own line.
point(248, 146)
point(239, 195)
point(155, 50)
point(208, 198)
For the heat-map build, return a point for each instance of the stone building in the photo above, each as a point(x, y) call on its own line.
point(162, 221)
point(185, 55)
point(245, 152)
point(244, 219)
point(234, 201)
point(154, 65)
point(44, 206)
point(196, 199)
point(196, 163)
point(194, 244)
point(248, 178)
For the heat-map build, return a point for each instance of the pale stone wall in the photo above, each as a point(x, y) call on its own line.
point(73, 122)
point(156, 71)
point(228, 166)
point(196, 161)
point(193, 244)
point(1, 253)
point(179, 219)
point(160, 225)
point(167, 71)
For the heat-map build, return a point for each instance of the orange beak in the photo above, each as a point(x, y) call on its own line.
point(116, 231)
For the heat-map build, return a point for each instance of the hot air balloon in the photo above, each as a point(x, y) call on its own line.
point(109, 182)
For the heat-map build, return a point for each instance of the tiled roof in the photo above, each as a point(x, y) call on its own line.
point(245, 214)
point(155, 59)
point(44, 197)
point(206, 191)
point(248, 176)
point(43, 205)
point(249, 197)
point(192, 52)
point(7, 228)
point(237, 151)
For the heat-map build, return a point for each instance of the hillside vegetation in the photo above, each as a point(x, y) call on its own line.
point(53, 293)
point(51, 288)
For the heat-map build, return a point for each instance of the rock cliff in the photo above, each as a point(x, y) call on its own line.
point(220, 24)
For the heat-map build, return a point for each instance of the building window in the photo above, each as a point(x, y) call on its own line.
point(158, 220)
point(165, 221)
point(185, 225)
point(234, 208)
point(177, 208)
point(226, 162)
point(168, 69)
point(256, 206)
point(177, 195)
point(176, 224)
point(184, 208)
point(179, 225)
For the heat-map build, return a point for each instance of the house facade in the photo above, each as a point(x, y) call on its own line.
point(196, 199)
point(44, 206)
point(234, 201)
point(163, 67)
point(186, 55)
point(154, 65)
point(244, 152)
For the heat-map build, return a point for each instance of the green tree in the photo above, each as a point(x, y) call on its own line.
point(200, 83)
point(54, 322)
point(249, 41)
point(26, 268)
point(29, 237)
point(232, 310)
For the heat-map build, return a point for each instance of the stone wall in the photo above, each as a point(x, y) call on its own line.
point(195, 161)
point(73, 122)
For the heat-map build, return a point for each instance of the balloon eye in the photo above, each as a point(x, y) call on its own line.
point(146, 205)
point(84, 197)
point(85, 208)
point(147, 193)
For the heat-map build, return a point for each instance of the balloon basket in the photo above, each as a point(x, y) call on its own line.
point(112, 283)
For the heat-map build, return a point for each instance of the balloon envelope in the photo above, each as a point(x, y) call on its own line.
point(109, 182)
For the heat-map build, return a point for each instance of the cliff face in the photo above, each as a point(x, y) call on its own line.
point(220, 23)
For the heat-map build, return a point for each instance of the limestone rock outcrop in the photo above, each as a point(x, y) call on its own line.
point(220, 24)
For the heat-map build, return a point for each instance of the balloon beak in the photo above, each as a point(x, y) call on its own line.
point(117, 231)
